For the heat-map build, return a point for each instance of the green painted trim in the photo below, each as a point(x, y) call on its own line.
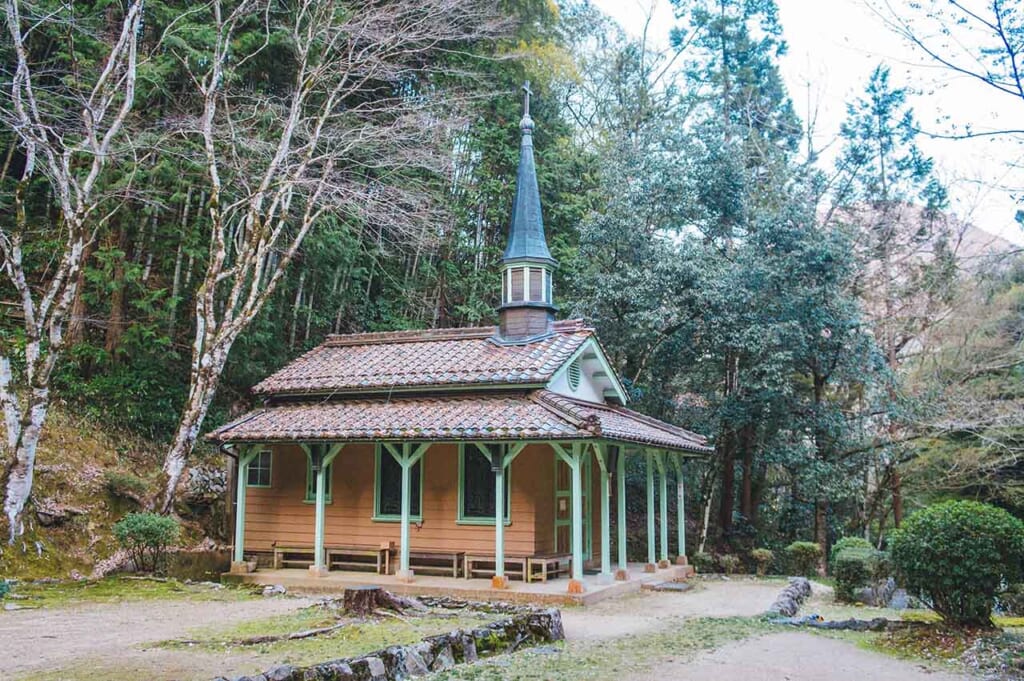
point(663, 499)
point(605, 366)
point(257, 450)
point(650, 508)
point(601, 452)
point(392, 518)
point(620, 480)
point(245, 457)
point(474, 520)
point(309, 496)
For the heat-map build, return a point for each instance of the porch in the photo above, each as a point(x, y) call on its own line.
point(338, 506)
point(596, 587)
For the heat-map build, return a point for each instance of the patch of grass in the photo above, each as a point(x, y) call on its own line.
point(610, 659)
point(356, 638)
point(935, 643)
point(119, 589)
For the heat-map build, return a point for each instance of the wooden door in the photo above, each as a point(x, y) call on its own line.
point(563, 507)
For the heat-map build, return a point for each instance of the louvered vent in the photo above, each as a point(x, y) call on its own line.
point(574, 374)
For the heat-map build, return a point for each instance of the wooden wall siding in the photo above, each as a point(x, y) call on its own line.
point(279, 514)
point(523, 322)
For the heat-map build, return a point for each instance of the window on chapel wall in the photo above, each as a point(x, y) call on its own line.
point(311, 482)
point(258, 474)
point(388, 487)
point(476, 486)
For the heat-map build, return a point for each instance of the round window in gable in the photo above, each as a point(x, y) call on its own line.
point(574, 375)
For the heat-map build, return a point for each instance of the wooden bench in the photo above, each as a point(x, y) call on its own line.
point(352, 557)
point(359, 557)
point(293, 556)
point(550, 565)
point(429, 560)
point(472, 562)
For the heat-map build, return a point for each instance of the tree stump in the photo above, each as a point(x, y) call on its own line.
point(363, 600)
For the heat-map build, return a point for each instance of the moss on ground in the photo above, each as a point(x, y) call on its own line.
point(356, 637)
point(611, 659)
point(119, 589)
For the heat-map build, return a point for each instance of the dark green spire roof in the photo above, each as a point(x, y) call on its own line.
point(526, 239)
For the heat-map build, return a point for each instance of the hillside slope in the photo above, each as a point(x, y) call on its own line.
point(87, 478)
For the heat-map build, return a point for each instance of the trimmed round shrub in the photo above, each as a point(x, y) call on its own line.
point(703, 562)
point(729, 562)
point(843, 544)
point(956, 555)
point(762, 559)
point(803, 557)
point(852, 569)
point(146, 537)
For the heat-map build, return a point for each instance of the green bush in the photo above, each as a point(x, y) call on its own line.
point(843, 544)
point(704, 562)
point(5, 588)
point(852, 569)
point(125, 485)
point(762, 559)
point(956, 555)
point(803, 557)
point(729, 562)
point(146, 537)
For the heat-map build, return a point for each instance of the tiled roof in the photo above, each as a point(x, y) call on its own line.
point(533, 415)
point(434, 358)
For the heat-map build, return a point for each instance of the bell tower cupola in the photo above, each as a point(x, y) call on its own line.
point(527, 307)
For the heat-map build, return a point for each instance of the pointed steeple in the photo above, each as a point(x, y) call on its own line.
point(527, 308)
point(526, 235)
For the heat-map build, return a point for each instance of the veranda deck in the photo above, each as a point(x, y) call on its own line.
point(552, 592)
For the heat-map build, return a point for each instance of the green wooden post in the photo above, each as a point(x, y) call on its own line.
point(406, 459)
point(575, 462)
point(321, 501)
point(650, 510)
point(606, 519)
point(501, 458)
point(663, 502)
point(245, 457)
point(620, 480)
point(321, 456)
point(577, 512)
point(499, 516)
point(680, 505)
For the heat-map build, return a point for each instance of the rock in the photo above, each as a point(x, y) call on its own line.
point(788, 602)
point(899, 599)
point(77, 576)
point(378, 672)
point(52, 513)
point(275, 590)
point(283, 672)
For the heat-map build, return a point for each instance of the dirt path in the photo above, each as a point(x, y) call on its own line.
point(100, 641)
point(118, 631)
point(795, 656)
point(647, 611)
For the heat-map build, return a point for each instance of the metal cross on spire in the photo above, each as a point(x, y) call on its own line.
point(526, 99)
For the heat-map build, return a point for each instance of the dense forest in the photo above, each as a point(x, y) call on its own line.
point(192, 194)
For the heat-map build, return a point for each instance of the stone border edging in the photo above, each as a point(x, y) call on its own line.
point(432, 654)
point(789, 600)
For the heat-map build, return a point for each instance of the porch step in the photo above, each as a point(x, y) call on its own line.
point(666, 586)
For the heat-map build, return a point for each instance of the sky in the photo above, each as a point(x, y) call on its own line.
point(833, 47)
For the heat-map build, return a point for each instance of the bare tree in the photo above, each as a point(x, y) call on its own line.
point(356, 136)
point(66, 132)
point(982, 41)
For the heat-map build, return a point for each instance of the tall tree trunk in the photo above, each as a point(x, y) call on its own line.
point(76, 319)
point(201, 393)
point(821, 531)
point(727, 453)
point(746, 441)
point(896, 485)
point(115, 321)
